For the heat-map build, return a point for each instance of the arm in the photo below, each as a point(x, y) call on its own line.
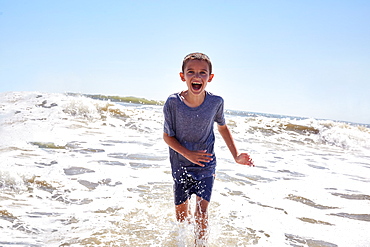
point(193, 156)
point(242, 158)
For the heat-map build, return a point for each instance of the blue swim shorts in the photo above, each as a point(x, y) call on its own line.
point(188, 186)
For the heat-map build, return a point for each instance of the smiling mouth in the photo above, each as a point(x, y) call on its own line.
point(196, 86)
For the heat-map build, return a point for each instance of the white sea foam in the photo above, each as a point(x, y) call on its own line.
point(78, 171)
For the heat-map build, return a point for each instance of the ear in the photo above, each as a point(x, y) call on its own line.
point(182, 76)
point(210, 77)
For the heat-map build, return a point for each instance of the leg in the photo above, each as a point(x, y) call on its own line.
point(201, 218)
point(182, 211)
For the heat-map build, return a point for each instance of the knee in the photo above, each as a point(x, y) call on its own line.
point(181, 216)
point(202, 210)
point(202, 206)
point(182, 211)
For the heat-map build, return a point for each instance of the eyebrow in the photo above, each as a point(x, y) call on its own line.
point(193, 69)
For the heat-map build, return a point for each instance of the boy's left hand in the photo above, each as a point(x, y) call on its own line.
point(244, 159)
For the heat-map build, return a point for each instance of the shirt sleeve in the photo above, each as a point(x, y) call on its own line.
point(219, 117)
point(168, 119)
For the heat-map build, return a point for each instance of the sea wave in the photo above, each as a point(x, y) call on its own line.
point(249, 125)
point(305, 131)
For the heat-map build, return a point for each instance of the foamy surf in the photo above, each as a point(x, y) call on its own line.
point(79, 171)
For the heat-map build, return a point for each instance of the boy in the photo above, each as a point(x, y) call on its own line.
point(188, 131)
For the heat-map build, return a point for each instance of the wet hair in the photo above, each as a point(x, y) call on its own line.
point(197, 56)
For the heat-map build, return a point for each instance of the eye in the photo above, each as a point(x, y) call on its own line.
point(190, 72)
point(203, 73)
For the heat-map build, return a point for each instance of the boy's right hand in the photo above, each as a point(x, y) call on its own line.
point(198, 156)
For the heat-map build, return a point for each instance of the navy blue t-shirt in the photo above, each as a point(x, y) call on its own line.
point(193, 128)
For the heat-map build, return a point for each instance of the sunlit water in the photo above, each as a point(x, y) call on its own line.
point(77, 171)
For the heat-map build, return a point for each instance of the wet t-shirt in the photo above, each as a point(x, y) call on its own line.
point(193, 128)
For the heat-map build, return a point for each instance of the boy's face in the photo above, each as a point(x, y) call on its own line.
point(196, 75)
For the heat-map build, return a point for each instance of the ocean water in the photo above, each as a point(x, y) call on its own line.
point(86, 171)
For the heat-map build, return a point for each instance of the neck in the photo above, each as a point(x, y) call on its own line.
point(192, 100)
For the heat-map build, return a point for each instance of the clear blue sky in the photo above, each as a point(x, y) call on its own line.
point(300, 58)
